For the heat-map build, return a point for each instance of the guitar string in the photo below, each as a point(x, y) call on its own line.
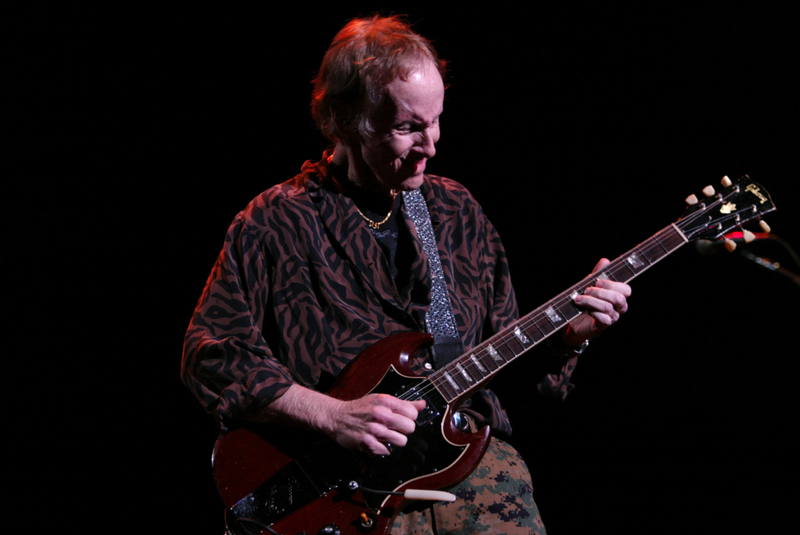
point(501, 342)
point(530, 322)
point(658, 244)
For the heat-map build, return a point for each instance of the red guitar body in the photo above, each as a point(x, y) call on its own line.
point(296, 482)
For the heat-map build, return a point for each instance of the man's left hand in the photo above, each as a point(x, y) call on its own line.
point(603, 304)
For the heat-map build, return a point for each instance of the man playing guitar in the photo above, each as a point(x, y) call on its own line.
point(317, 269)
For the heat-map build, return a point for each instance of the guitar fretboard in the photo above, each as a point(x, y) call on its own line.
point(467, 373)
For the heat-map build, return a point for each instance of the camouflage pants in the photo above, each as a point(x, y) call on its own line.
point(496, 499)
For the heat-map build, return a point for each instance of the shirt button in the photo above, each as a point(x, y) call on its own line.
point(428, 366)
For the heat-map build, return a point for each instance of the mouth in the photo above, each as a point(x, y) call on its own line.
point(419, 165)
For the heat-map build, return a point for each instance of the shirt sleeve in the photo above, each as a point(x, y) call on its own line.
point(227, 363)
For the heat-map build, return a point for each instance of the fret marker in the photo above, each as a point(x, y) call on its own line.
point(635, 261)
point(477, 364)
point(451, 381)
point(494, 354)
point(553, 315)
point(574, 294)
point(464, 373)
point(604, 276)
point(521, 336)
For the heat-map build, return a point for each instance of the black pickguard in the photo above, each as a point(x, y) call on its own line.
point(427, 450)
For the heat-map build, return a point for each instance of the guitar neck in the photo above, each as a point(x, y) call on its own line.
point(466, 374)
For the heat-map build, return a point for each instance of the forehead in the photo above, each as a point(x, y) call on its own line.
point(420, 95)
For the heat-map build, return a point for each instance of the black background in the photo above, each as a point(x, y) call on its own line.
point(136, 135)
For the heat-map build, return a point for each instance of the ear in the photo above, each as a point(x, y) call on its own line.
point(343, 119)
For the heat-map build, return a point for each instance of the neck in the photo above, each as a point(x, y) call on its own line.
point(347, 163)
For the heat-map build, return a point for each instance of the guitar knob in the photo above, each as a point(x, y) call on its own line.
point(330, 529)
point(730, 245)
point(726, 181)
point(366, 523)
point(691, 199)
point(748, 236)
point(764, 226)
point(708, 191)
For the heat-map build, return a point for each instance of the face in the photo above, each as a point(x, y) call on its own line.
point(406, 131)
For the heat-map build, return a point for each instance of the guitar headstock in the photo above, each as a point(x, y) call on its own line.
point(720, 213)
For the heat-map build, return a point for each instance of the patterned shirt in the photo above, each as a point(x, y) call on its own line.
point(301, 287)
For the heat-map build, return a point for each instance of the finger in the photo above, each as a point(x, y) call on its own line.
point(374, 446)
point(601, 264)
point(602, 299)
point(619, 287)
point(592, 301)
point(400, 423)
point(393, 438)
point(407, 409)
point(603, 312)
point(603, 320)
point(389, 417)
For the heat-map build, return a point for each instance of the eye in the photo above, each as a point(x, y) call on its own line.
point(407, 128)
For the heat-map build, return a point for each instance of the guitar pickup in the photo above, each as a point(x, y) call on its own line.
point(427, 415)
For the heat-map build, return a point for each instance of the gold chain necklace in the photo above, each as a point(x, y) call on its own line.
point(376, 225)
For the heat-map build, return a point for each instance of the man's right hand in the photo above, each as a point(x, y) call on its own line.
point(372, 424)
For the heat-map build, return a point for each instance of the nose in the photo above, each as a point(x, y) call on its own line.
point(427, 142)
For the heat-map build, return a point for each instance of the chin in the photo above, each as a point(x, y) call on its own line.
point(411, 183)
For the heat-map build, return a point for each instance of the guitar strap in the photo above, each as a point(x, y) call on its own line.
point(439, 320)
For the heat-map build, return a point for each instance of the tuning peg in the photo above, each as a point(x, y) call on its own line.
point(748, 236)
point(708, 191)
point(726, 181)
point(730, 245)
point(691, 199)
point(764, 226)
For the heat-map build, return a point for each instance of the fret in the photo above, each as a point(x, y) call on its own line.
point(653, 252)
point(511, 345)
point(568, 310)
point(671, 240)
point(455, 381)
point(533, 331)
point(478, 365)
point(544, 325)
point(486, 359)
point(636, 262)
point(450, 381)
point(522, 336)
point(467, 377)
point(447, 390)
point(496, 357)
point(605, 275)
point(623, 272)
point(455, 373)
point(552, 315)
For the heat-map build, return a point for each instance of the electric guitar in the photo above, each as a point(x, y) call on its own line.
point(275, 480)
